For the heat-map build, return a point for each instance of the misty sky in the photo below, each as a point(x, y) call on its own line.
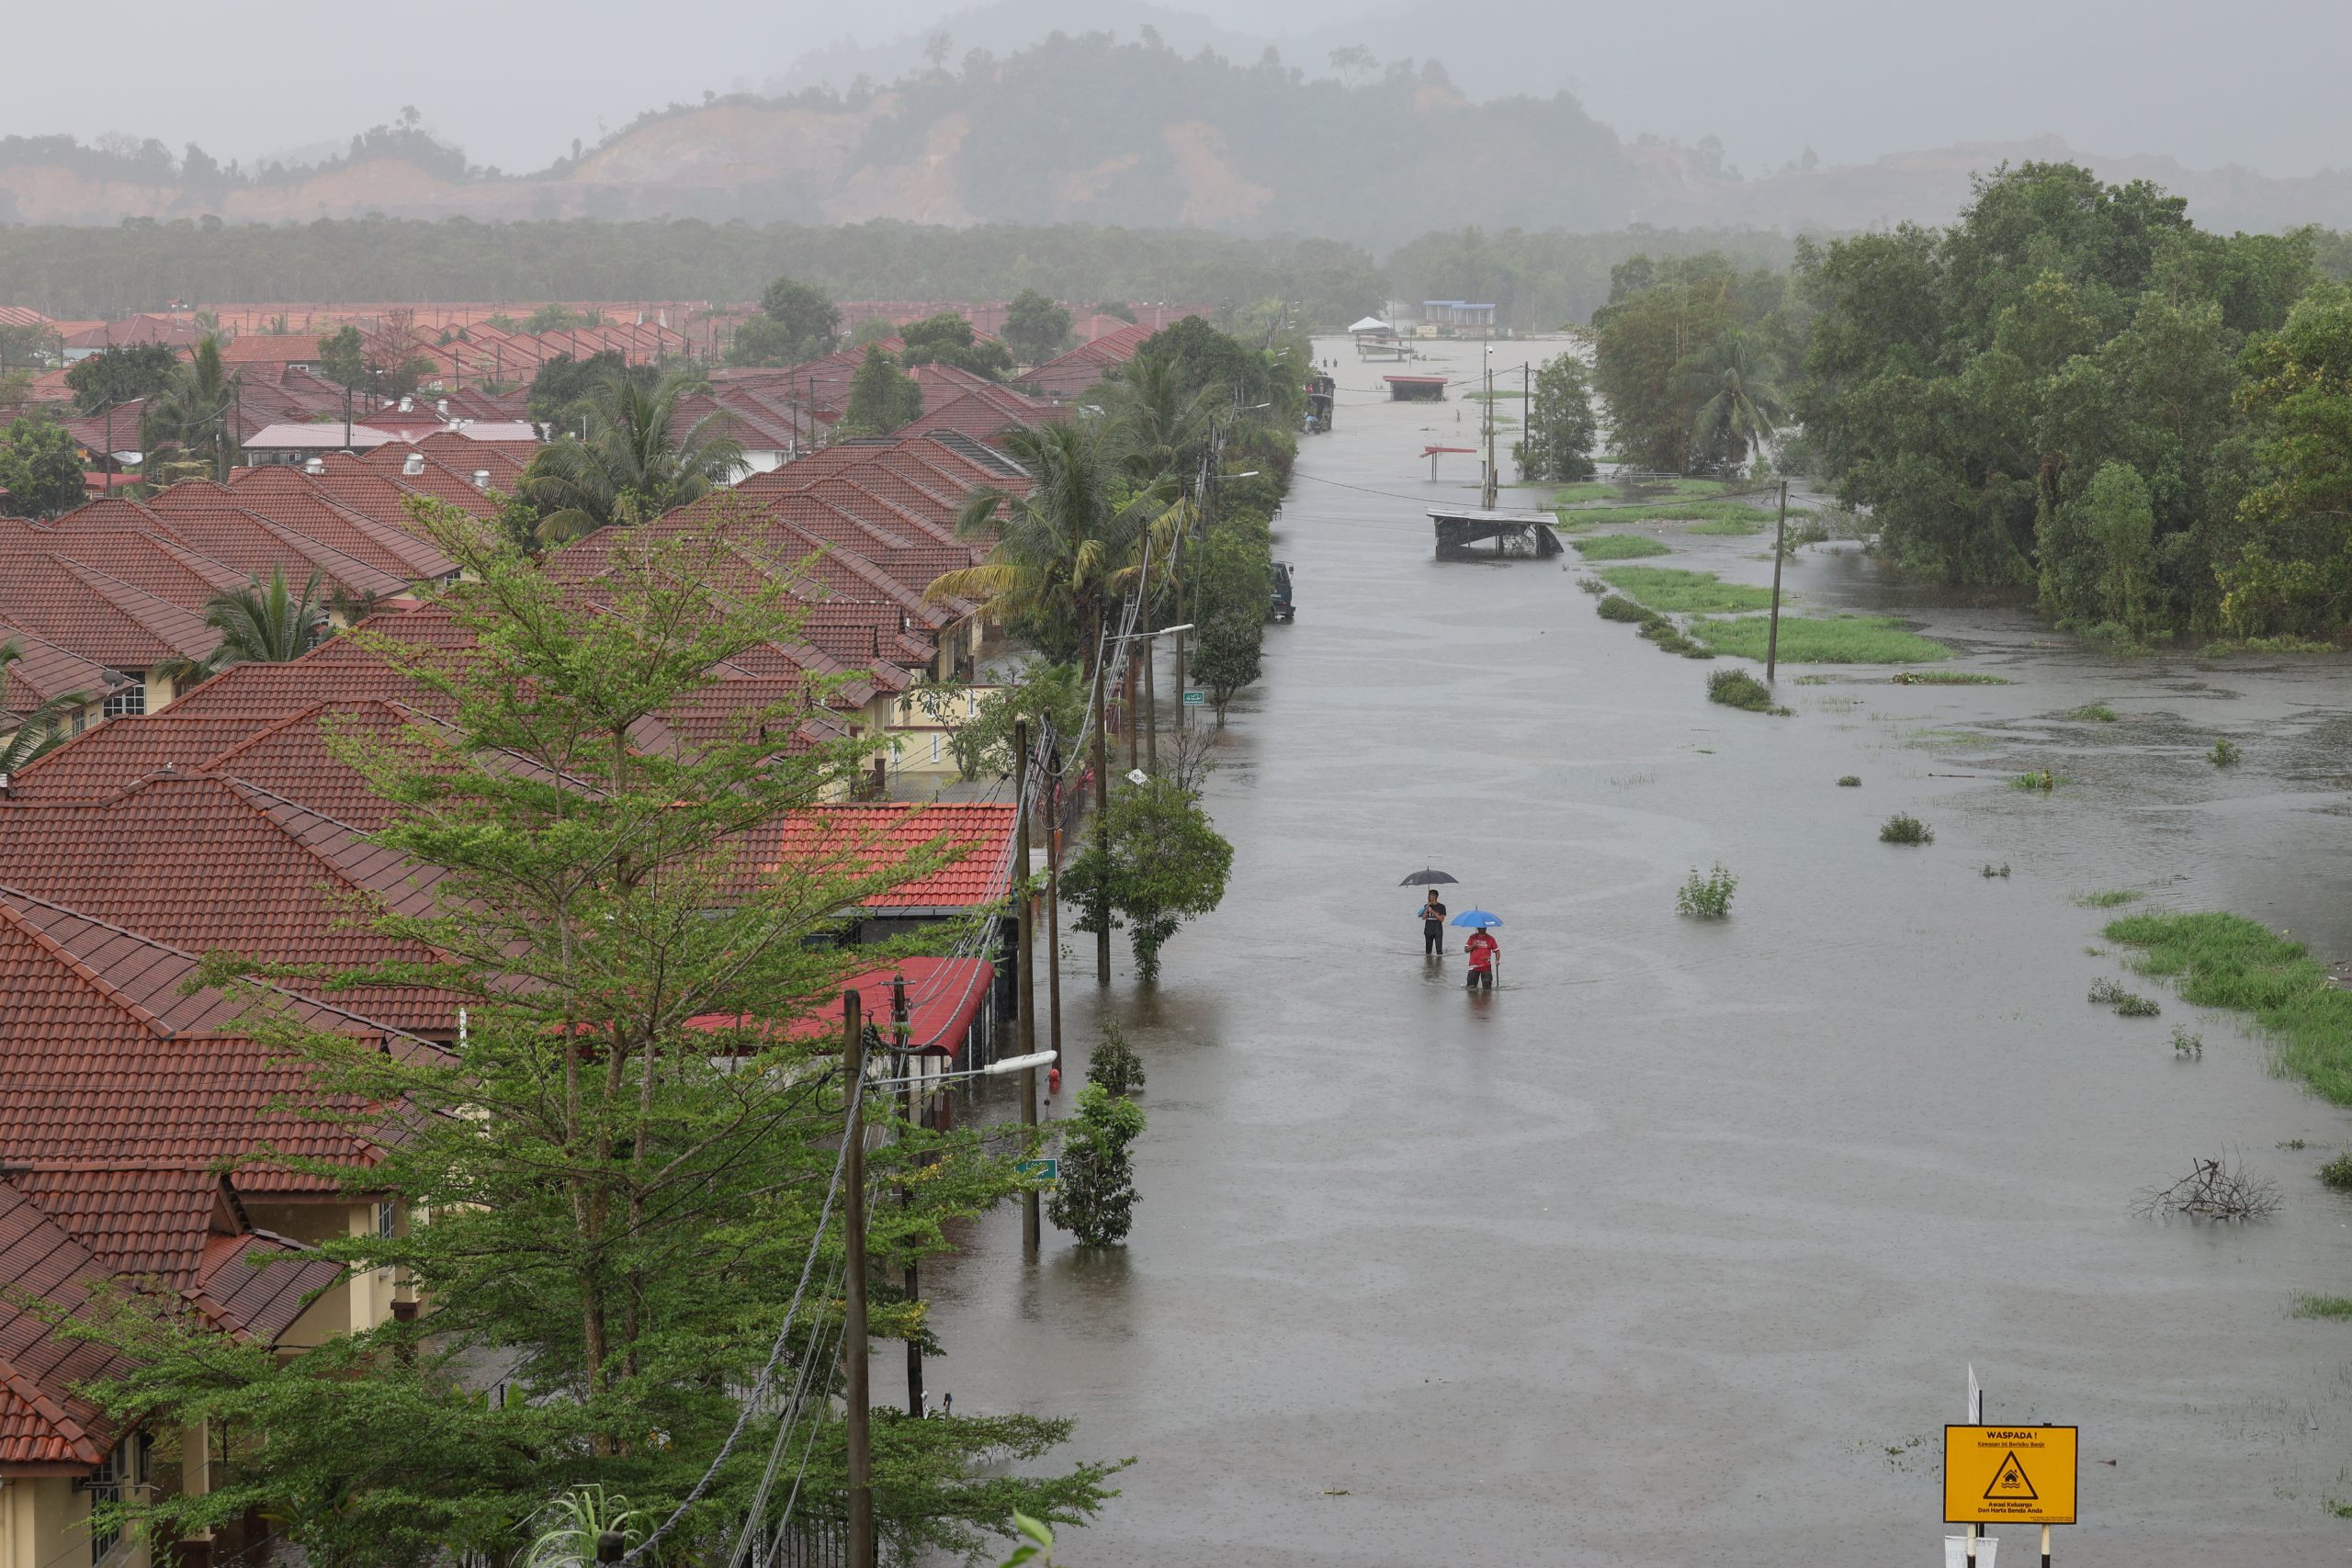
point(2255, 81)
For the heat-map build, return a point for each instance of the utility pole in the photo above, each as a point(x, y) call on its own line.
point(853, 1345)
point(1151, 704)
point(1779, 550)
point(1101, 791)
point(898, 1042)
point(1054, 903)
point(1026, 1010)
point(1488, 497)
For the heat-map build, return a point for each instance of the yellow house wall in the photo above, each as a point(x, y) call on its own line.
point(45, 1523)
point(360, 1301)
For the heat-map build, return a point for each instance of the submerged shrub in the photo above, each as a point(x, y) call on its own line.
point(1617, 607)
point(1739, 689)
point(2044, 780)
point(2133, 1005)
point(1905, 829)
point(2225, 753)
point(1706, 897)
point(2337, 1173)
point(1852, 781)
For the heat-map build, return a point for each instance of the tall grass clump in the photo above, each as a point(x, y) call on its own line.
point(2110, 898)
point(1706, 897)
point(1739, 689)
point(1905, 829)
point(1617, 607)
point(2227, 960)
point(2090, 713)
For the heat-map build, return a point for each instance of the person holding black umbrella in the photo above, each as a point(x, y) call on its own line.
point(1432, 927)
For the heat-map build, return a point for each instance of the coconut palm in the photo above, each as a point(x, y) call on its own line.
point(633, 462)
point(40, 729)
point(1064, 550)
point(262, 623)
point(1155, 426)
point(197, 415)
point(1734, 381)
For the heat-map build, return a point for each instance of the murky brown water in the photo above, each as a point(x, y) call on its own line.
point(1655, 1255)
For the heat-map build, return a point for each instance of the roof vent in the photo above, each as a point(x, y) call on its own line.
point(481, 479)
point(315, 466)
point(413, 465)
point(4, 785)
point(408, 405)
point(441, 407)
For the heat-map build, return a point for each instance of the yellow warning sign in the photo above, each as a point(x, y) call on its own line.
point(2024, 1474)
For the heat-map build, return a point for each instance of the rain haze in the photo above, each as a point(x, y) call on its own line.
point(514, 83)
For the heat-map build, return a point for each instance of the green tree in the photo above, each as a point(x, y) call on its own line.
point(39, 728)
point(882, 398)
point(1735, 381)
point(1095, 1197)
point(1040, 692)
point(639, 459)
point(343, 357)
point(557, 318)
point(606, 1200)
point(1228, 654)
point(2293, 571)
point(1035, 329)
point(1562, 431)
point(41, 468)
point(948, 339)
point(1642, 347)
point(1113, 1063)
point(116, 376)
point(196, 415)
point(1161, 421)
point(797, 323)
point(561, 385)
point(31, 346)
point(1157, 862)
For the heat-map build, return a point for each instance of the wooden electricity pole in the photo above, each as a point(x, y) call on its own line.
point(1102, 792)
point(853, 1345)
point(1031, 1230)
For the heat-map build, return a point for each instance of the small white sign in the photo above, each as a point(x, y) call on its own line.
point(1138, 776)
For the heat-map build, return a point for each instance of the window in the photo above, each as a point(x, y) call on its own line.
point(106, 1488)
point(388, 1220)
point(81, 720)
point(132, 699)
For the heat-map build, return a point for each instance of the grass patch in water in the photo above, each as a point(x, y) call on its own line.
point(2228, 961)
point(2268, 645)
point(2321, 1306)
point(1620, 546)
point(2110, 898)
point(1617, 607)
point(2225, 753)
point(2337, 1173)
point(1591, 489)
point(1813, 639)
point(2043, 780)
point(1710, 516)
point(2091, 712)
point(1673, 589)
point(1852, 781)
point(1948, 678)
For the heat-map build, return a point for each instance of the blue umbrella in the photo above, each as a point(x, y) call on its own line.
point(1475, 917)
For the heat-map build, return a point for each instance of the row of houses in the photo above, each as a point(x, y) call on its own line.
point(179, 822)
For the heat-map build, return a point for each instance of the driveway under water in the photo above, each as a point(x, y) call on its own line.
point(1675, 1249)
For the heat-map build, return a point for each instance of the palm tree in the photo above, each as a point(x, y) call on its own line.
point(1736, 379)
point(197, 415)
point(1155, 426)
point(39, 730)
point(1083, 534)
point(632, 462)
point(259, 624)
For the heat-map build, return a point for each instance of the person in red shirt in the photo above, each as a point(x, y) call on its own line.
point(1482, 947)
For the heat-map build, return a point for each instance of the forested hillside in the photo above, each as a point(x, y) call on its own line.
point(1088, 129)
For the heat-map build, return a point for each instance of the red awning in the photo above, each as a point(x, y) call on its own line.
point(943, 997)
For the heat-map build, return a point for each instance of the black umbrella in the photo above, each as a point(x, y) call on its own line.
point(1424, 877)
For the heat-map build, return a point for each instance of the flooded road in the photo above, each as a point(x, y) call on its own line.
point(1675, 1249)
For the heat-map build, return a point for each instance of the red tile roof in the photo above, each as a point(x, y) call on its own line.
point(271, 349)
point(943, 997)
point(45, 1419)
point(971, 842)
point(199, 864)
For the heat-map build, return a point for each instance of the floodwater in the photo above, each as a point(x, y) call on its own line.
point(1676, 1248)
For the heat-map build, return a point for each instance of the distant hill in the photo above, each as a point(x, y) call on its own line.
point(1139, 134)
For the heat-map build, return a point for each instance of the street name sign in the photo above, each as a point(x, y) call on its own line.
point(1042, 1169)
point(1996, 1475)
point(1196, 698)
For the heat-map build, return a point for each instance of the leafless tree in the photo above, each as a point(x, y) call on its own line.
point(2214, 1189)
